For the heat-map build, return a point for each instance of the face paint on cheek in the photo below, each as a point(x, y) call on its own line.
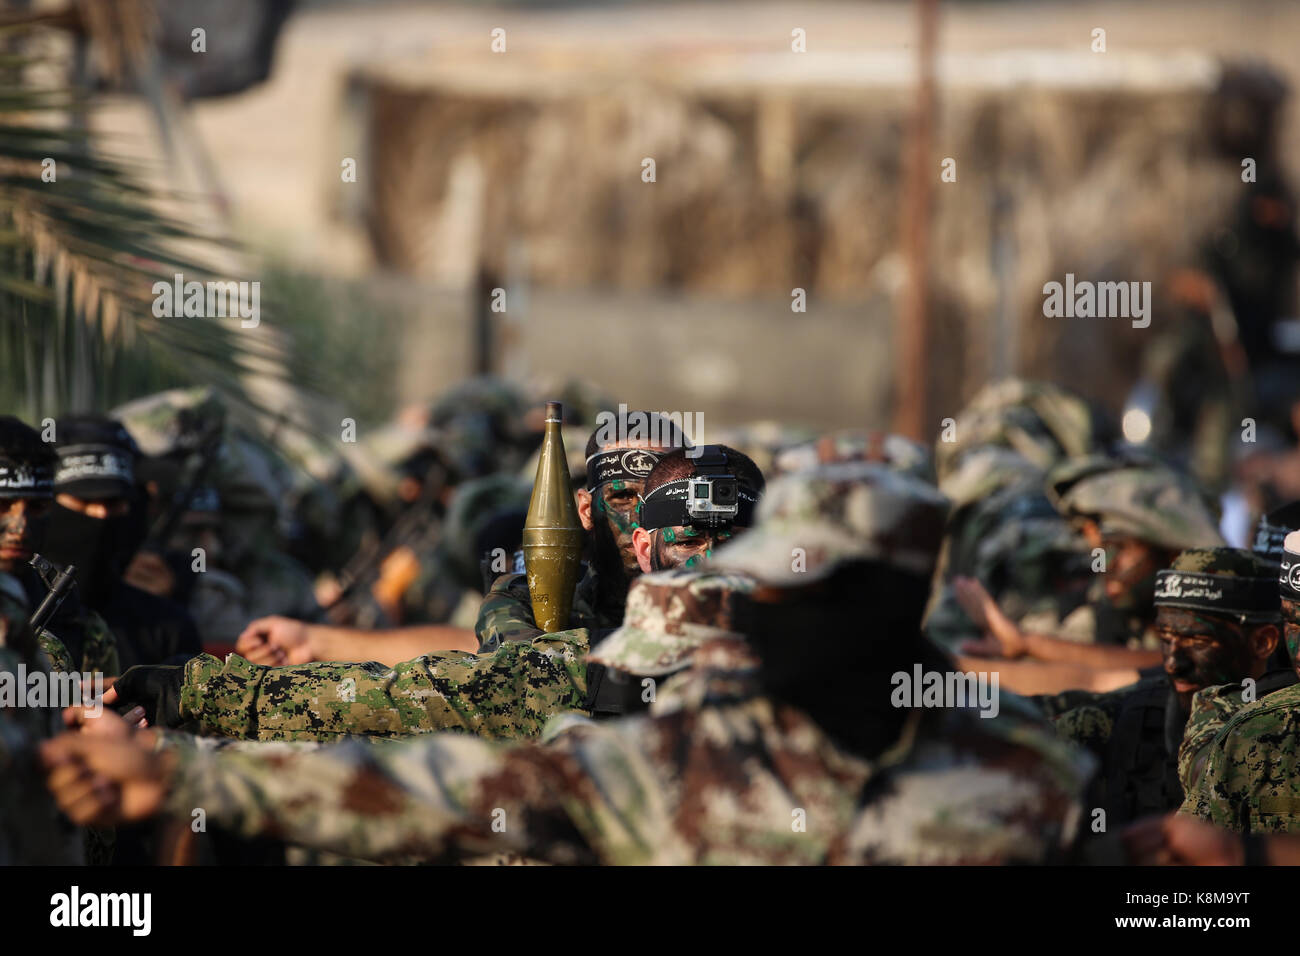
point(22, 529)
point(1210, 662)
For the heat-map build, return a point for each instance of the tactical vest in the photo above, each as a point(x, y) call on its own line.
point(1275, 679)
point(1141, 761)
point(1141, 768)
point(611, 693)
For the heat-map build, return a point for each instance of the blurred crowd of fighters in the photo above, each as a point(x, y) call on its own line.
point(1032, 645)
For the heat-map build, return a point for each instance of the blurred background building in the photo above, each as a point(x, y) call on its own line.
point(775, 170)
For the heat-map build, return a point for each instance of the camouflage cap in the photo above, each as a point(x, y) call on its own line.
point(1135, 498)
point(669, 614)
point(478, 424)
point(763, 441)
point(1228, 581)
point(474, 504)
point(249, 477)
point(898, 452)
point(811, 522)
point(984, 471)
point(177, 421)
point(1042, 423)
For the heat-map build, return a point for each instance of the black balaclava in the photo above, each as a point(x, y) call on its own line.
point(832, 652)
point(96, 463)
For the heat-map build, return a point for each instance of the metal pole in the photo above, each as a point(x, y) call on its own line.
point(912, 414)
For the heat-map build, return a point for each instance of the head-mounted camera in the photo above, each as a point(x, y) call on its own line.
point(710, 498)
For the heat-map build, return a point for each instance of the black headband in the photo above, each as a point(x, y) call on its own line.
point(25, 480)
point(1222, 593)
point(665, 507)
point(628, 464)
point(100, 462)
point(1288, 582)
point(1269, 538)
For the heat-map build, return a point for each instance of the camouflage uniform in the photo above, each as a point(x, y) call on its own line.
point(507, 694)
point(251, 577)
point(717, 773)
point(896, 451)
point(31, 829)
point(992, 465)
point(1014, 541)
point(1245, 777)
point(98, 649)
point(1039, 423)
point(1251, 768)
point(1136, 731)
point(1133, 497)
point(506, 613)
point(1213, 707)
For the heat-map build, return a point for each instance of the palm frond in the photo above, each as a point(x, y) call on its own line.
point(80, 254)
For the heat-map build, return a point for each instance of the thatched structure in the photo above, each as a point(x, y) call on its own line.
point(776, 171)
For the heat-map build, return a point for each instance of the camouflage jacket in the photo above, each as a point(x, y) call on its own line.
point(98, 648)
point(511, 693)
point(1213, 707)
point(506, 613)
point(1251, 780)
point(1087, 718)
point(31, 829)
point(717, 773)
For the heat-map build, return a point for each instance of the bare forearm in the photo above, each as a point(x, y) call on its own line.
point(1044, 677)
point(1044, 647)
point(330, 643)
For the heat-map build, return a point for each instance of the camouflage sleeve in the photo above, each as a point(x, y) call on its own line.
point(1054, 705)
point(1250, 781)
point(100, 653)
point(436, 798)
point(1008, 794)
point(508, 694)
point(506, 614)
point(60, 659)
point(1212, 708)
point(181, 741)
point(1089, 726)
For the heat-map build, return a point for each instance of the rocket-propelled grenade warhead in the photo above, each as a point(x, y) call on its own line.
point(552, 533)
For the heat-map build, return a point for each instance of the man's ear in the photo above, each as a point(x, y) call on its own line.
point(642, 543)
point(1263, 641)
point(1091, 532)
point(583, 497)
